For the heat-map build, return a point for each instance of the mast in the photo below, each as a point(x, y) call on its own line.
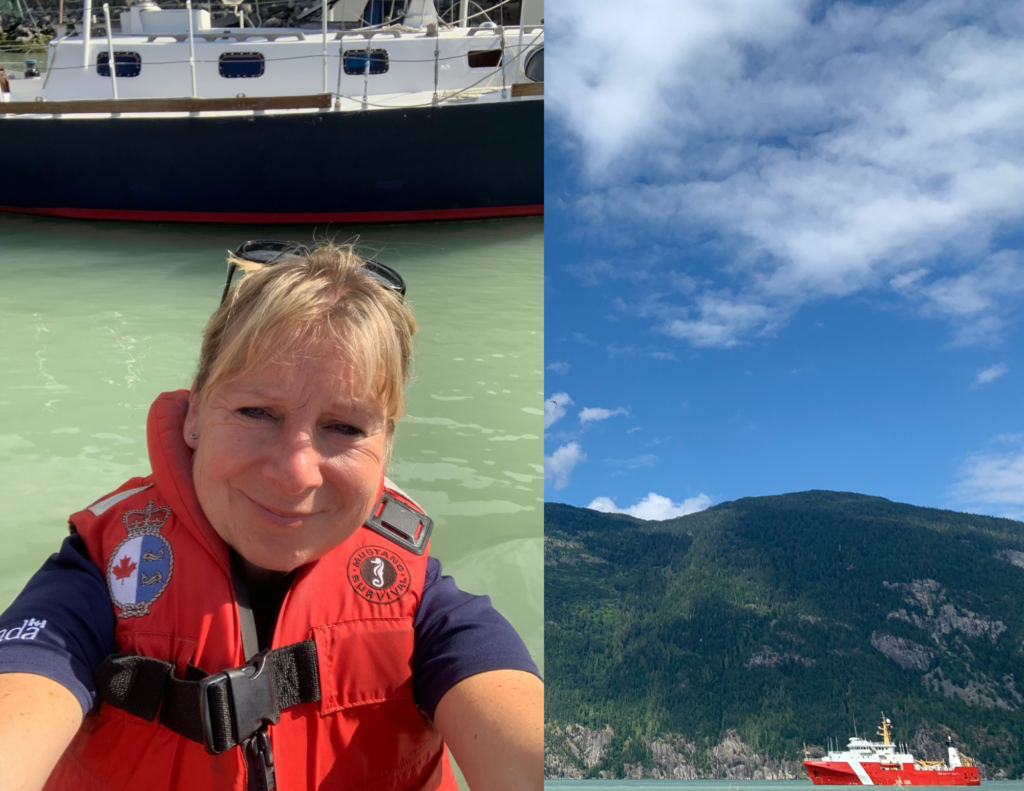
point(884, 731)
point(86, 32)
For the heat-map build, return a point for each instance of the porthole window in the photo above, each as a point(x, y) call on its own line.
point(126, 64)
point(234, 65)
point(355, 61)
point(535, 66)
point(484, 58)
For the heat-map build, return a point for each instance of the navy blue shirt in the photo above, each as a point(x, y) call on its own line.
point(62, 627)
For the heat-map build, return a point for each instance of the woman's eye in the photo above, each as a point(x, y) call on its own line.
point(254, 412)
point(347, 429)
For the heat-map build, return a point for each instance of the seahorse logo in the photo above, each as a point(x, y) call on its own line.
point(378, 573)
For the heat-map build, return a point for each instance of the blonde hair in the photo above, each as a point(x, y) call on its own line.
point(326, 295)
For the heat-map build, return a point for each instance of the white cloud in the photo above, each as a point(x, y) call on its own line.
point(993, 482)
point(990, 374)
point(595, 414)
point(874, 146)
point(555, 407)
point(653, 507)
point(970, 301)
point(560, 464)
point(722, 321)
point(559, 368)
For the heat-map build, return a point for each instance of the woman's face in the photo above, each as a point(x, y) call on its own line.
point(288, 459)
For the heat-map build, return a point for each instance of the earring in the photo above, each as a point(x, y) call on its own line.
point(193, 435)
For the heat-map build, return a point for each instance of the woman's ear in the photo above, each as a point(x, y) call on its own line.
point(190, 428)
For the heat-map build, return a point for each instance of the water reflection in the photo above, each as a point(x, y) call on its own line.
point(519, 564)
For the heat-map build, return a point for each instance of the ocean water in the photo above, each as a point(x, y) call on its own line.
point(671, 785)
point(96, 319)
point(719, 785)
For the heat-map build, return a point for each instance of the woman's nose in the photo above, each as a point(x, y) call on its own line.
point(295, 463)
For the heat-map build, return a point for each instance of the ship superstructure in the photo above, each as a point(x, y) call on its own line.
point(868, 763)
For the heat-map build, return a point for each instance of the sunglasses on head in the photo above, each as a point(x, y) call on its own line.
point(268, 251)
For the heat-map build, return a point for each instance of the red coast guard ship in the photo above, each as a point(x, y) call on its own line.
point(885, 764)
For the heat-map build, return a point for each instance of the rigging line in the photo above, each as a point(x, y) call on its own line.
point(303, 57)
point(484, 11)
point(424, 104)
point(428, 104)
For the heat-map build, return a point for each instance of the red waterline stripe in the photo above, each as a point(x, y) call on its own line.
point(419, 215)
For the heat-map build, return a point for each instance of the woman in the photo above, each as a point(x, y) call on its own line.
point(279, 623)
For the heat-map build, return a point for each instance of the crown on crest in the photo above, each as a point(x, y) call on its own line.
point(147, 520)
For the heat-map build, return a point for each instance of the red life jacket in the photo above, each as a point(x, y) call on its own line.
point(169, 578)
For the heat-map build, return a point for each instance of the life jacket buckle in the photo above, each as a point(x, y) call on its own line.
point(251, 699)
point(259, 758)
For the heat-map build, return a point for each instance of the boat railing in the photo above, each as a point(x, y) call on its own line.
point(239, 35)
point(466, 93)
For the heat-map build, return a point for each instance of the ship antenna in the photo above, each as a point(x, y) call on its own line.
point(884, 731)
point(855, 726)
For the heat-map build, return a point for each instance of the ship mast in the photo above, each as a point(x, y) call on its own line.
point(884, 731)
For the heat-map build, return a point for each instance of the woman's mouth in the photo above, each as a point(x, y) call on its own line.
point(280, 516)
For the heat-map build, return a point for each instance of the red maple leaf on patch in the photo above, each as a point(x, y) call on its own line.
point(124, 569)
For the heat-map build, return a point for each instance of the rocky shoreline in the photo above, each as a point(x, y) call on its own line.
point(574, 752)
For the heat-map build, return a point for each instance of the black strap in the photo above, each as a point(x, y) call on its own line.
point(256, 748)
point(250, 637)
point(145, 687)
point(225, 709)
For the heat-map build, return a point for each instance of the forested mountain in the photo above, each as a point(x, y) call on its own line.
point(775, 622)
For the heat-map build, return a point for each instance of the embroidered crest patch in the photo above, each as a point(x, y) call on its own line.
point(140, 567)
point(378, 574)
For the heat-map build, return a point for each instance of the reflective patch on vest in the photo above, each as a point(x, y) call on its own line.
point(114, 499)
point(141, 566)
point(390, 484)
point(378, 574)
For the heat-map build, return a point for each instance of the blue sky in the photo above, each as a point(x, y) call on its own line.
point(784, 247)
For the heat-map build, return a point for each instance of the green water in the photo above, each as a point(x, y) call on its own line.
point(96, 319)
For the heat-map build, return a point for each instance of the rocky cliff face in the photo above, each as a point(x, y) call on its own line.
point(948, 626)
point(931, 612)
point(574, 752)
point(571, 751)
